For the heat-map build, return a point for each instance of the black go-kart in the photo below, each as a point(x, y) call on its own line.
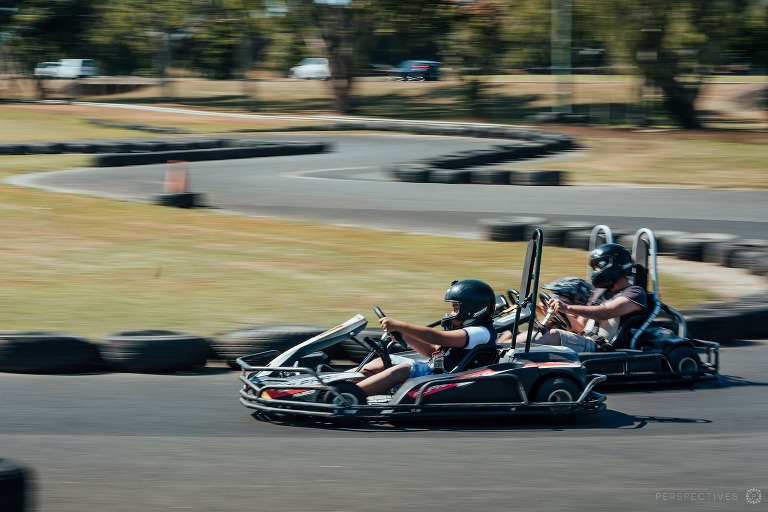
point(650, 347)
point(491, 381)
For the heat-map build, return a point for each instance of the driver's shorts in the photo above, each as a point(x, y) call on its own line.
point(577, 342)
point(418, 368)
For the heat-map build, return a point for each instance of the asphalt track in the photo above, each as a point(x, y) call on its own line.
point(347, 186)
point(124, 442)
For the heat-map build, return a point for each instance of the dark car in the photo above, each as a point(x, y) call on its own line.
point(416, 70)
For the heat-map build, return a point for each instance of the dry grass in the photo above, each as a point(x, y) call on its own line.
point(93, 266)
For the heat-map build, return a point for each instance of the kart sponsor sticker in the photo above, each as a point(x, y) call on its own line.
point(553, 364)
point(442, 387)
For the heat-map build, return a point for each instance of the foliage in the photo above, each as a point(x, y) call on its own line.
point(673, 45)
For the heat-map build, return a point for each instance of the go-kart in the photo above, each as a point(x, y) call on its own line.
point(650, 347)
point(490, 381)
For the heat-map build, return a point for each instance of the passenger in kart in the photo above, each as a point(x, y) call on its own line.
point(615, 298)
point(571, 290)
point(468, 325)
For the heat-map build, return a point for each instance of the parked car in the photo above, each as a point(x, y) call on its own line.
point(46, 69)
point(416, 70)
point(67, 68)
point(77, 68)
point(311, 68)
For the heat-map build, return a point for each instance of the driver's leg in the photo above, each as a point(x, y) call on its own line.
point(385, 380)
point(550, 338)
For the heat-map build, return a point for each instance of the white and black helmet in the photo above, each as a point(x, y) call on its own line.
point(572, 290)
point(476, 301)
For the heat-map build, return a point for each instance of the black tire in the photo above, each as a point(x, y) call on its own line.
point(411, 173)
point(557, 389)
point(509, 229)
point(155, 351)
point(180, 199)
point(40, 352)
point(230, 345)
point(555, 231)
point(666, 241)
point(577, 238)
point(684, 360)
point(536, 178)
point(449, 176)
point(15, 486)
point(746, 258)
point(691, 247)
point(348, 390)
point(489, 177)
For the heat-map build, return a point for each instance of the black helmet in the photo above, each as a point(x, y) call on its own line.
point(572, 290)
point(608, 263)
point(476, 301)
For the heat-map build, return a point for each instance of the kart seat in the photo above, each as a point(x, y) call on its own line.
point(482, 355)
point(634, 327)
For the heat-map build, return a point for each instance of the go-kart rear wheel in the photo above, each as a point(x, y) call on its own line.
point(684, 360)
point(557, 389)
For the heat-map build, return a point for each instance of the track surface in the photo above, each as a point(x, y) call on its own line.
point(124, 442)
point(346, 186)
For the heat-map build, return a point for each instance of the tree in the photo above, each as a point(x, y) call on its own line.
point(675, 45)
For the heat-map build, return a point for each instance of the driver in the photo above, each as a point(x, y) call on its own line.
point(468, 325)
point(615, 299)
point(571, 290)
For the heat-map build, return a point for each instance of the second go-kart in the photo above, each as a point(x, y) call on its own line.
point(650, 347)
point(490, 381)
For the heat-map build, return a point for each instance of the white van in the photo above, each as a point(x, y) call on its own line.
point(77, 68)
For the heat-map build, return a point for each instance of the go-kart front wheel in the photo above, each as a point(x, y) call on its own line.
point(347, 393)
point(557, 390)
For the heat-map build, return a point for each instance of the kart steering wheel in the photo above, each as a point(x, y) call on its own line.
point(395, 335)
point(559, 320)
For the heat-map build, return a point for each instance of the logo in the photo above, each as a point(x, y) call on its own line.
point(754, 496)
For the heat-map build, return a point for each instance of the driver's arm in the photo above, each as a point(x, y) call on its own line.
point(614, 308)
point(424, 340)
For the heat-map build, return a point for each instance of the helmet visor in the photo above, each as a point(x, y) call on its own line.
point(601, 264)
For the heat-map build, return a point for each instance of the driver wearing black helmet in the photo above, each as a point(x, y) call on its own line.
point(615, 299)
point(572, 290)
point(468, 325)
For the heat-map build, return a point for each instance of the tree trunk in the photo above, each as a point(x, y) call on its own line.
point(680, 101)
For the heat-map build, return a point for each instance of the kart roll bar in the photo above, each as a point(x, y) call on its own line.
point(529, 285)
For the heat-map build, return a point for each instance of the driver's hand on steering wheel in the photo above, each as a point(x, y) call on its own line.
point(557, 305)
point(388, 324)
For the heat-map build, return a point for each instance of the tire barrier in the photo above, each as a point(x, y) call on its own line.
point(118, 152)
point(154, 351)
point(412, 173)
point(734, 253)
point(16, 486)
point(535, 178)
point(691, 247)
point(43, 352)
point(230, 345)
point(744, 318)
point(200, 155)
point(554, 232)
point(508, 229)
